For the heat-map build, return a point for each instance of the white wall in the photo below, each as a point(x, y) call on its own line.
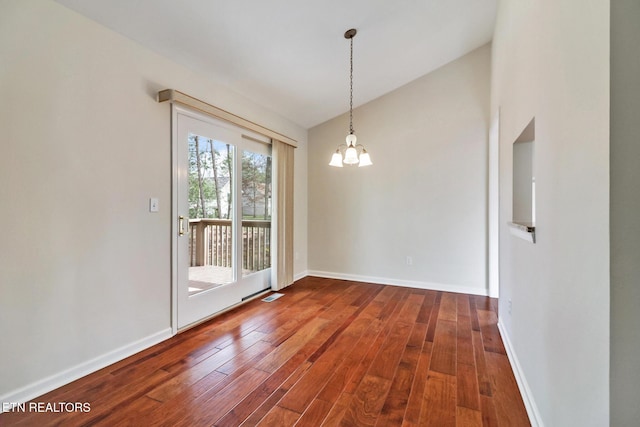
point(425, 195)
point(84, 267)
point(625, 209)
point(551, 62)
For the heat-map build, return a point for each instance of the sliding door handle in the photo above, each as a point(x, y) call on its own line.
point(181, 230)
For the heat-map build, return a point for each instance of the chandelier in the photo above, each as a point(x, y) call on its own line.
point(350, 153)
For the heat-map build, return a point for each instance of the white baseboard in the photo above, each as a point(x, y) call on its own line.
point(406, 283)
point(38, 388)
point(300, 275)
point(523, 385)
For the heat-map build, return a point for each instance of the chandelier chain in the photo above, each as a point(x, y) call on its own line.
point(351, 89)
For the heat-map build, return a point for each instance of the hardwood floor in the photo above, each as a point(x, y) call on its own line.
point(329, 352)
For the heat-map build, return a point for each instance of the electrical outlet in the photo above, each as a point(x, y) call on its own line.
point(409, 260)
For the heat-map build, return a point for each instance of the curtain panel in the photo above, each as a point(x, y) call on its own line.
point(283, 157)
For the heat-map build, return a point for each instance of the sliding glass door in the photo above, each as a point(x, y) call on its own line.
point(223, 215)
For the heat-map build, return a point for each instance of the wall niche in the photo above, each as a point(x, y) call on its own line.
point(523, 222)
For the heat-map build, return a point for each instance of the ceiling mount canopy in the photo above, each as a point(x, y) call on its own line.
point(349, 34)
point(350, 153)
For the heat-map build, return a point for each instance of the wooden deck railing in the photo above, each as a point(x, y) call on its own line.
point(210, 243)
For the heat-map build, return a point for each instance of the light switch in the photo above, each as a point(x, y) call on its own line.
point(153, 205)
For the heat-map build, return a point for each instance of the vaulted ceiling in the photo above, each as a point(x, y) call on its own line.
point(291, 55)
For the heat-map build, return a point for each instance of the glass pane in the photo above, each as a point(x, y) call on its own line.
point(210, 213)
point(256, 212)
